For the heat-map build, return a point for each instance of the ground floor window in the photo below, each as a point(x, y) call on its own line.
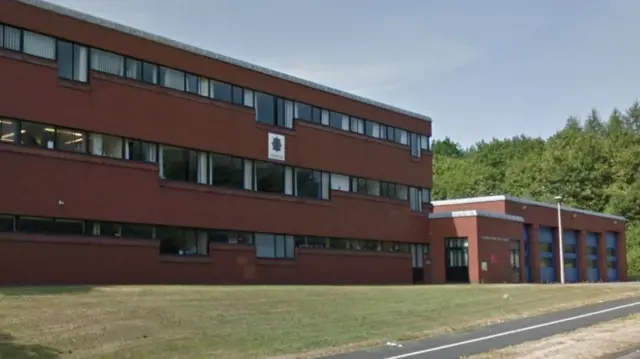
point(274, 246)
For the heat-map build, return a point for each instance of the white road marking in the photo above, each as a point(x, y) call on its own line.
point(465, 342)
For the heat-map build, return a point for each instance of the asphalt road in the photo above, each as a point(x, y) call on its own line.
point(501, 335)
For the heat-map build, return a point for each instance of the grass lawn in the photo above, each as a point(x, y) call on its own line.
point(145, 322)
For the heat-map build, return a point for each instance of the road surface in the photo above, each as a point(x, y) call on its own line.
point(501, 335)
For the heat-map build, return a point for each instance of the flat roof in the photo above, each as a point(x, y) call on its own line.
point(476, 213)
point(185, 47)
point(524, 201)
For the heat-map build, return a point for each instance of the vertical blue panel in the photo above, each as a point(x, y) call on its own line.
point(612, 256)
point(527, 254)
point(546, 248)
point(593, 272)
point(570, 254)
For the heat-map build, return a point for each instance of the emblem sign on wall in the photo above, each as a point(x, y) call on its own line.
point(276, 145)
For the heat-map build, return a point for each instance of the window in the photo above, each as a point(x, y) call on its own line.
point(401, 137)
point(339, 182)
point(611, 252)
point(269, 177)
point(365, 245)
point(592, 251)
point(515, 254)
point(303, 112)
point(402, 192)
point(274, 111)
point(1, 36)
point(339, 121)
point(570, 263)
point(426, 196)
point(182, 242)
point(170, 78)
point(67, 226)
point(415, 145)
point(391, 134)
point(71, 140)
point(149, 73)
point(105, 145)
point(12, 38)
point(7, 223)
point(373, 187)
point(310, 242)
point(358, 185)
point(178, 164)
point(388, 190)
point(107, 229)
point(140, 151)
point(39, 45)
point(274, 246)
point(34, 225)
point(357, 125)
point(612, 265)
point(338, 243)
point(131, 230)
point(383, 131)
point(107, 62)
point(317, 115)
point(372, 129)
point(424, 143)
point(230, 237)
point(8, 130)
point(227, 171)
point(192, 83)
point(249, 98)
point(545, 247)
point(204, 87)
point(72, 61)
point(37, 135)
point(133, 69)
point(237, 95)
point(592, 263)
point(415, 199)
point(220, 91)
point(311, 184)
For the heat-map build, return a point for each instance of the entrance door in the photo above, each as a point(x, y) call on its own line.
point(457, 259)
point(417, 262)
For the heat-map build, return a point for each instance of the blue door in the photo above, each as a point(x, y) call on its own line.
point(547, 250)
point(612, 256)
point(593, 273)
point(527, 255)
point(570, 253)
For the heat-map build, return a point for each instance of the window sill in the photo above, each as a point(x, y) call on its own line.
point(77, 156)
point(188, 186)
point(74, 85)
point(185, 259)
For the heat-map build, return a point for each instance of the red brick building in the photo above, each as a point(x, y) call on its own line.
point(130, 158)
point(512, 239)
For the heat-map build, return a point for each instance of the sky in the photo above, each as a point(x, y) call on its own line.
point(479, 69)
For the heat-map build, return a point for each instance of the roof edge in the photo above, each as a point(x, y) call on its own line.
point(62, 10)
point(485, 199)
point(475, 213)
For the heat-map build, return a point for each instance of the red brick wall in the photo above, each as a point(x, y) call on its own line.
point(40, 260)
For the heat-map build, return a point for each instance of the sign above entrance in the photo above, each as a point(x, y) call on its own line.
point(276, 145)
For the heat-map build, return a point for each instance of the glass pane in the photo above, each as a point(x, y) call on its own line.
point(71, 140)
point(37, 135)
point(8, 130)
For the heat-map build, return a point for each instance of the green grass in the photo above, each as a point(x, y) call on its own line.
point(159, 322)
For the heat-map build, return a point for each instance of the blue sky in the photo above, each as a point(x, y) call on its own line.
point(480, 69)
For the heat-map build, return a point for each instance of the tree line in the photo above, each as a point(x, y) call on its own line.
point(594, 163)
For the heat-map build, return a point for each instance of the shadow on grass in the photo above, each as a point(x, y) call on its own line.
point(43, 290)
point(9, 349)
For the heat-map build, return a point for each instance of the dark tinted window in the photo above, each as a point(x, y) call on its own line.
point(269, 177)
point(227, 171)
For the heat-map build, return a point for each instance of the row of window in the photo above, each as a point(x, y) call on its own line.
point(75, 61)
point(181, 164)
point(195, 242)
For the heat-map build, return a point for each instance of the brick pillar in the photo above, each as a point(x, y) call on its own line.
point(437, 257)
point(474, 257)
point(583, 274)
point(556, 252)
point(534, 253)
point(523, 262)
point(602, 257)
point(622, 257)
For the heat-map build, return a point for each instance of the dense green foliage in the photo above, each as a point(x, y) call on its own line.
point(594, 164)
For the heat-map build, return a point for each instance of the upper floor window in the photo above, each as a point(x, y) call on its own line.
point(8, 130)
point(271, 178)
point(227, 171)
point(37, 135)
point(273, 111)
point(107, 62)
point(39, 45)
point(173, 79)
point(311, 184)
point(73, 61)
point(11, 38)
point(339, 121)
